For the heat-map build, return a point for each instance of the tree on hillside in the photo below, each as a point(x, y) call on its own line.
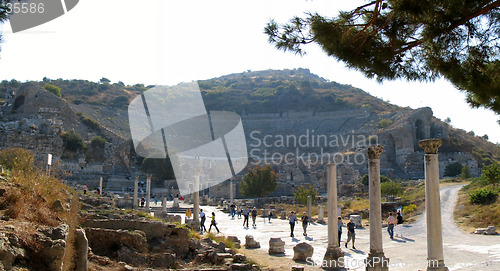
point(465, 173)
point(73, 141)
point(4, 16)
point(453, 169)
point(302, 193)
point(412, 40)
point(364, 179)
point(492, 174)
point(259, 182)
point(391, 188)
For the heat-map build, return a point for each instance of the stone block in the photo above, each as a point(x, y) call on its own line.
point(250, 242)
point(302, 251)
point(276, 246)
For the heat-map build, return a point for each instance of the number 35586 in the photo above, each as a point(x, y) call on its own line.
point(25, 8)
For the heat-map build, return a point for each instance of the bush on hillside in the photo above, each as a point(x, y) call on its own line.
point(53, 89)
point(483, 196)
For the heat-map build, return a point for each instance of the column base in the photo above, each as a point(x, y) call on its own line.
point(436, 265)
point(376, 261)
point(334, 259)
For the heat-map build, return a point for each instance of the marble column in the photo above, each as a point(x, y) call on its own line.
point(334, 257)
point(435, 258)
point(196, 198)
point(376, 259)
point(321, 214)
point(148, 191)
point(100, 185)
point(164, 206)
point(136, 188)
point(231, 191)
point(309, 206)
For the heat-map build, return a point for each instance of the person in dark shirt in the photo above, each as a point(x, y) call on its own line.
point(350, 233)
point(203, 217)
point(233, 210)
point(339, 227)
point(254, 216)
point(291, 219)
point(246, 213)
point(399, 225)
point(305, 223)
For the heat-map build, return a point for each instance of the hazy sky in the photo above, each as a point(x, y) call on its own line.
point(166, 42)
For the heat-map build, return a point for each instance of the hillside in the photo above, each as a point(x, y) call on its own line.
point(272, 102)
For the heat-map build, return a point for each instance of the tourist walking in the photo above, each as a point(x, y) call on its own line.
point(142, 201)
point(339, 227)
point(254, 216)
point(305, 223)
point(390, 225)
point(239, 211)
point(84, 189)
point(351, 235)
point(399, 225)
point(233, 210)
point(203, 217)
point(292, 218)
point(270, 215)
point(213, 223)
point(246, 213)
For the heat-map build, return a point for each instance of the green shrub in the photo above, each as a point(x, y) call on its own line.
point(409, 208)
point(98, 142)
point(92, 124)
point(53, 89)
point(482, 196)
point(73, 141)
point(384, 123)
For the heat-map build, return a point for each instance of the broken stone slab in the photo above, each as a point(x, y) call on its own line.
point(221, 247)
point(250, 242)
point(219, 257)
point(241, 267)
point(283, 215)
point(276, 246)
point(235, 240)
point(239, 258)
point(491, 230)
point(302, 251)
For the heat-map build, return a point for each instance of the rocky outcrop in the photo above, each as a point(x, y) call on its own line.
point(107, 242)
point(152, 229)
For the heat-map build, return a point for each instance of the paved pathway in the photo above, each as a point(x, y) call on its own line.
point(462, 251)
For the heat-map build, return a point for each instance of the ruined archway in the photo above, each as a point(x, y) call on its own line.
point(390, 149)
point(419, 132)
point(18, 102)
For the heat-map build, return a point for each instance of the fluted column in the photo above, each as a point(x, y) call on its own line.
point(376, 259)
point(196, 198)
point(136, 188)
point(334, 257)
point(435, 258)
point(148, 191)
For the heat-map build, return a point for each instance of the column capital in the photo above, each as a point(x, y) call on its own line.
point(375, 151)
point(430, 145)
